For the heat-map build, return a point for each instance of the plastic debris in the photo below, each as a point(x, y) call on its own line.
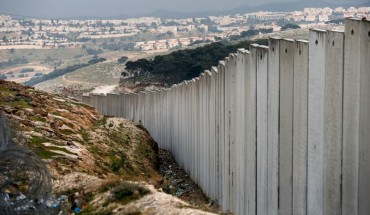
point(77, 210)
point(21, 197)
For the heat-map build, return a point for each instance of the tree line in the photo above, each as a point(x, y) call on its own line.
point(183, 64)
point(59, 72)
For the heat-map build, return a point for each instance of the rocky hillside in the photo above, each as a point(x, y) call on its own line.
point(97, 164)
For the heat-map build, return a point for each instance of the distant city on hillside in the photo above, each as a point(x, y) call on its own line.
point(165, 34)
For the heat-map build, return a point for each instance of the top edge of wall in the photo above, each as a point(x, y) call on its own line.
point(303, 41)
point(242, 50)
point(318, 30)
point(263, 47)
point(288, 39)
point(353, 19)
point(335, 31)
point(275, 38)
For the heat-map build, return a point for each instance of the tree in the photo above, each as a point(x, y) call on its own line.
point(122, 59)
point(290, 26)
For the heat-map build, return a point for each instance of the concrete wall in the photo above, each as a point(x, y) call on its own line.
point(283, 129)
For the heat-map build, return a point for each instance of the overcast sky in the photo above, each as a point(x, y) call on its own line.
point(67, 8)
point(109, 8)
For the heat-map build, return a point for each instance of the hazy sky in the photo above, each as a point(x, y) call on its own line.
point(66, 8)
point(106, 8)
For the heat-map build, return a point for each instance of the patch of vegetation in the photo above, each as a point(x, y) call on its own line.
point(44, 152)
point(13, 62)
point(97, 60)
point(125, 192)
point(290, 26)
point(91, 51)
point(122, 59)
point(67, 132)
point(59, 149)
point(183, 64)
point(4, 89)
point(118, 161)
point(37, 118)
point(119, 137)
point(249, 33)
point(36, 141)
point(101, 122)
point(26, 70)
point(85, 135)
point(16, 101)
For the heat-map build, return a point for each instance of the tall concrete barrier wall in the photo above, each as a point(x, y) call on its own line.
point(277, 130)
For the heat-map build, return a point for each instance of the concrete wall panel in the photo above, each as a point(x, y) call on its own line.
point(316, 103)
point(364, 124)
point(300, 112)
point(333, 122)
point(251, 131)
point(351, 99)
point(286, 127)
point(273, 124)
point(262, 169)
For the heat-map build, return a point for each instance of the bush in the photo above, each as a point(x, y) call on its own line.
point(290, 26)
point(128, 191)
point(184, 64)
point(22, 75)
point(13, 62)
point(26, 70)
point(38, 74)
point(97, 60)
point(93, 51)
point(122, 59)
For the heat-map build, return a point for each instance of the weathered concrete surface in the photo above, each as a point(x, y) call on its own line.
point(273, 125)
point(262, 170)
point(251, 131)
point(316, 104)
point(300, 112)
point(286, 127)
point(333, 122)
point(364, 124)
point(351, 99)
point(240, 137)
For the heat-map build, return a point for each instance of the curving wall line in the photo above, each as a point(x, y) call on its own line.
point(283, 129)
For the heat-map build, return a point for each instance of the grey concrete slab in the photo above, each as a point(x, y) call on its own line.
point(333, 122)
point(364, 124)
point(351, 99)
point(273, 124)
point(262, 155)
point(300, 123)
point(286, 127)
point(316, 116)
